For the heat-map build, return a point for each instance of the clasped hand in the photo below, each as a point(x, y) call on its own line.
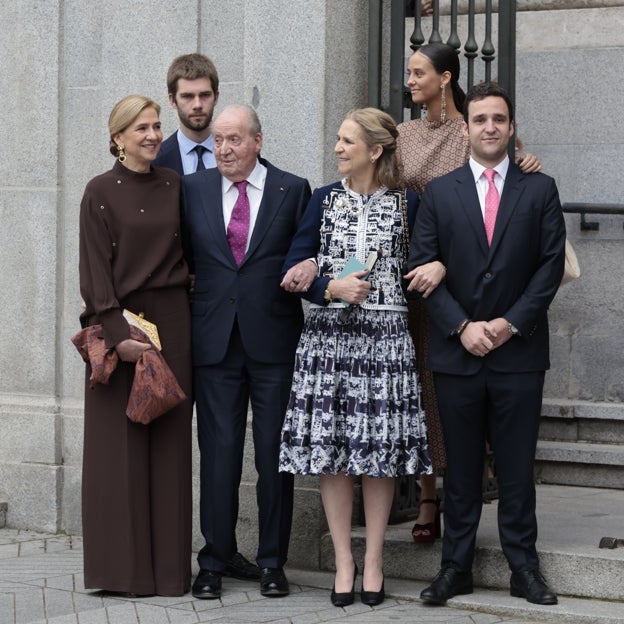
point(482, 337)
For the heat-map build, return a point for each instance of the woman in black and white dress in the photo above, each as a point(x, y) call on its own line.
point(355, 401)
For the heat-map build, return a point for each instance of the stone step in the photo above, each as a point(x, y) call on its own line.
point(483, 602)
point(582, 421)
point(572, 521)
point(580, 463)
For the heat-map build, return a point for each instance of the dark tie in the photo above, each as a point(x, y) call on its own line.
point(200, 149)
point(238, 227)
point(492, 199)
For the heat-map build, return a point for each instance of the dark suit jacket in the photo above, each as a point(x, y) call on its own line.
point(269, 318)
point(169, 154)
point(516, 278)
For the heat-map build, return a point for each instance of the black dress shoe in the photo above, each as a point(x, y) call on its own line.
point(448, 582)
point(273, 582)
point(242, 569)
point(530, 584)
point(344, 599)
point(372, 598)
point(207, 585)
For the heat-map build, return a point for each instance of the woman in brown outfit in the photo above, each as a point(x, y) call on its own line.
point(429, 148)
point(136, 481)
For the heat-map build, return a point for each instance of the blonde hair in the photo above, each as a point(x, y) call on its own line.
point(379, 128)
point(124, 113)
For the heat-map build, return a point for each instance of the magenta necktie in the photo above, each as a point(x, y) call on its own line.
point(492, 200)
point(238, 227)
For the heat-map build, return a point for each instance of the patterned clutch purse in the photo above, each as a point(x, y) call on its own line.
point(149, 329)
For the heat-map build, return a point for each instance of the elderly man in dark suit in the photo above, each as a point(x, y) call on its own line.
point(239, 220)
point(501, 236)
point(193, 86)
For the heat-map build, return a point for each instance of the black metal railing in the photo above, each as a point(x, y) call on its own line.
point(505, 51)
point(611, 210)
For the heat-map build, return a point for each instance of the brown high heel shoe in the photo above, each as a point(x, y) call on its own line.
point(429, 532)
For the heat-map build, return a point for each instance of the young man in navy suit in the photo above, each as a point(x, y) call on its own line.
point(489, 338)
point(239, 220)
point(193, 87)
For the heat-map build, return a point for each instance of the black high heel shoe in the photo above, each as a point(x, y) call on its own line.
point(372, 598)
point(344, 599)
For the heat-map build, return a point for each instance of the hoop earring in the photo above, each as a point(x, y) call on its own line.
point(121, 155)
point(443, 103)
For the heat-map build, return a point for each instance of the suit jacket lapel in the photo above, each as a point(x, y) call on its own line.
point(272, 197)
point(512, 190)
point(469, 200)
point(212, 209)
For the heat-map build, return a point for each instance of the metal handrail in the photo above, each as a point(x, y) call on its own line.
point(585, 209)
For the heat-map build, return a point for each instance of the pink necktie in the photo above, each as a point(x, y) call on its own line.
point(492, 200)
point(238, 227)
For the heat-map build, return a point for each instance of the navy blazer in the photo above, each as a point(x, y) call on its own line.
point(516, 278)
point(269, 318)
point(169, 154)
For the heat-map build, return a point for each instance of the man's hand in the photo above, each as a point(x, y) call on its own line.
point(426, 278)
point(498, 332)
point(475, 338)
point(300, 277)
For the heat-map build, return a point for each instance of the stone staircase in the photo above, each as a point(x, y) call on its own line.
point(581, 443)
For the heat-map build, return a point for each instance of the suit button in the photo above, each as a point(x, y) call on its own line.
point(488, 275)
point(232, 300)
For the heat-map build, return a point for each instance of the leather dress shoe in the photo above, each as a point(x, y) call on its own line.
point(273, 582)
point(530, 584)
point(448, 582)
point(242, 569)
point(207, 585)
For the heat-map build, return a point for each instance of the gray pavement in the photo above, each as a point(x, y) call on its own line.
point(41, 582)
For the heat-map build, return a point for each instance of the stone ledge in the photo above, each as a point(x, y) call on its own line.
point(580, 453)
point(569, 408)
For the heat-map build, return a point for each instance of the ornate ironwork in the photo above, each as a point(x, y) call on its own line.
point(504, 51)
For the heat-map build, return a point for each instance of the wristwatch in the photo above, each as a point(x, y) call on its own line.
point(328, 296)
point(513, 330)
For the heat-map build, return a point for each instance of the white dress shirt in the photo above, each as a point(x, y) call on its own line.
point(482, 182)
point(255, 190)
point(189, 155)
